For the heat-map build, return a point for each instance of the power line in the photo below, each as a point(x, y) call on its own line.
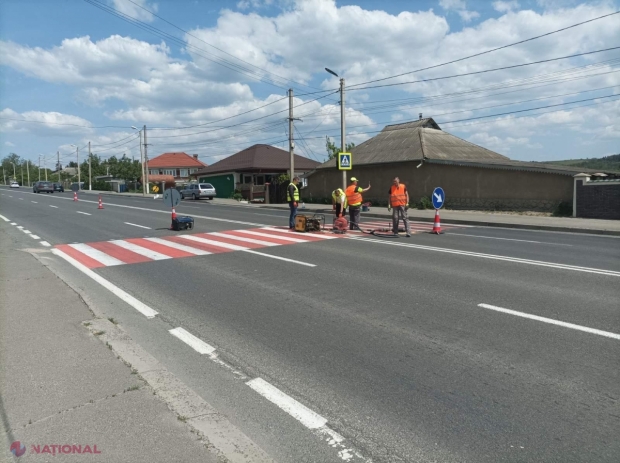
point(487, 51)
point(486, 70)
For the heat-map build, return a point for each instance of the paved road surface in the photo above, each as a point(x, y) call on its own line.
point(362, 348)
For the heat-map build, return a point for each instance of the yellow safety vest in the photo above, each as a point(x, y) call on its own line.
point(295, 195)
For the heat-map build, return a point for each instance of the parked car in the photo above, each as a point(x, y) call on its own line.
point(14, 184)
point(45, 187)
point(59, 187)
point(198, 190)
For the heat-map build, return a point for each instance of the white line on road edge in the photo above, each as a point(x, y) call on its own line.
point(305, 416)
point(495, 257)
point(128, 298)
point(280, 258)
point(300, 412)
point(509, 239)
point(85, 213)
point(136, 225)
point(35, 237)
point(44, 243)
point(607, 334)
point(4, 218)
point(195, 343)
point(55, 207)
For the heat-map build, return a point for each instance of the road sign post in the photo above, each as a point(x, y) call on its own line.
point(345, 161)
point(439, 199)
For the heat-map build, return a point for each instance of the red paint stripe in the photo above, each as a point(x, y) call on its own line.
point(196, 244)
point(165, 250)
point(229, 241)
point(80, 257)
point(125, 255)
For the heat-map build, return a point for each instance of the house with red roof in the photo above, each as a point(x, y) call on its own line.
point(178, 164)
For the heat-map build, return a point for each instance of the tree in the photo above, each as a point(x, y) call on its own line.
point(333, 150)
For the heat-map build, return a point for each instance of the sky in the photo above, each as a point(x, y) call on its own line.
point(212, 77)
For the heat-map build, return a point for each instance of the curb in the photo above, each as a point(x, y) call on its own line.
point(520, 226)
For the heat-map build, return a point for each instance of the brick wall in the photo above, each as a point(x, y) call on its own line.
point(598, 199)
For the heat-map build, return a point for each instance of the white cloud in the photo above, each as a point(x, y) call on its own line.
point(8, 143)
point(460, 7)
point(505, 6)
point(134, 9)
point(468, 16)
point(49, 123)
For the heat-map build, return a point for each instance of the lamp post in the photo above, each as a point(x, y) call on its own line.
point(343, 144)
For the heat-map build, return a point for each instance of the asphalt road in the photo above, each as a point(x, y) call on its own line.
point(405, 347)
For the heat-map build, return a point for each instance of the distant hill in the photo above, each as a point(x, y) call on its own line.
point(605, 163)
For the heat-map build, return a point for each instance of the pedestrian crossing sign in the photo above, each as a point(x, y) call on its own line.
point(344, 161)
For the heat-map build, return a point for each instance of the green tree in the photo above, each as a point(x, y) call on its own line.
point(333, 150)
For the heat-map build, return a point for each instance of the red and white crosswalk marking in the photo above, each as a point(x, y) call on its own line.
point(386, 226)
point(139, 250)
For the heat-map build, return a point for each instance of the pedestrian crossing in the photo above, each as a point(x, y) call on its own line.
point(385, 226)
point(140, 250)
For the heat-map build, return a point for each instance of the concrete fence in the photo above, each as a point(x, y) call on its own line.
point(596, 199)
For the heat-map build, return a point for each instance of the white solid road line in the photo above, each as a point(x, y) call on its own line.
point(129, 299)
point(300, 412)
point(44, 243)
point(494, 257)
point(245, 240)
point(286, 230)
point(96, 254)
point(280, 258)
point(85, 213)
point(509, 239)
point(181, 247)
point(4, 218)
point(607, 334)
point(267, 235)
point(35, 237)
point(136, 225)
point(195, 343)
point(140, 250)
point(55, 207)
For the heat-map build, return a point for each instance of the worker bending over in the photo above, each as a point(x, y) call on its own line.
point(339, 202)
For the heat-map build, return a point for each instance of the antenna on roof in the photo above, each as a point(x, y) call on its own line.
point(420, 116)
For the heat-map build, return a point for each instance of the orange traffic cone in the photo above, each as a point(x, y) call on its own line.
point(174, 214)
point(437, 224)
point(100, 203)
point(75, 196)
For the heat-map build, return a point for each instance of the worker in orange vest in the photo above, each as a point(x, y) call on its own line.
point(398, 203)
point(354, 200)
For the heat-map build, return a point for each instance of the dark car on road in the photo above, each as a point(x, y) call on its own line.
point(59, 187)
point(45, 187)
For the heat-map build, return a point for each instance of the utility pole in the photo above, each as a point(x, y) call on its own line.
point(90, 183)
point(343, 144)
point(58, 164)
point(28, 170)
point(45, 168)
point(146, 162)
point(39, 167)
point(77, 154)
point(22, 170)
point(291, 141)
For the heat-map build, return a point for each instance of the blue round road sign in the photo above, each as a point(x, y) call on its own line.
point(439, 198)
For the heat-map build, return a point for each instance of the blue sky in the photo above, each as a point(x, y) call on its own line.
point(73, 73)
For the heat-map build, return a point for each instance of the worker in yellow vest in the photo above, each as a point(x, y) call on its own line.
point(292, 198)
point(354, 200)
point(339, 202)
point(398, 203)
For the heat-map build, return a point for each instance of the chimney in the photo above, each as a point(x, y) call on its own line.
point(420, 116)
point(195, 157)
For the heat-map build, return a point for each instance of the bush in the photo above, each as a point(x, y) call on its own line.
point(237, 196)
point(563, 209)
point(102, 186)
point(425, 203)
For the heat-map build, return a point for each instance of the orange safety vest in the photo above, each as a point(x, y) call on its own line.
point(353, 197)
point(398, 195)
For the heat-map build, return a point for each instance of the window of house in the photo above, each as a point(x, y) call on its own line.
point(247, 179)
point(193, 170)
point(154, 171)
point(184, 173)
point(169, 172)
point(260, 180)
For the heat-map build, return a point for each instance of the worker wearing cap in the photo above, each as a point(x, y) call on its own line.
point(354, 200)
point(398, 203)
point(339, 202)
point(292, 197)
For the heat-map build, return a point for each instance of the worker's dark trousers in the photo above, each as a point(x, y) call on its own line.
point(291, 219)
point(354, 215)
point(339, 210)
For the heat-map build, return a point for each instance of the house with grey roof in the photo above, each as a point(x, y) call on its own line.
point(253, 166)
point(424, 156)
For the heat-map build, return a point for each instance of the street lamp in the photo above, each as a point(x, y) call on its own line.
point(343, 145)
point(77, 155)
